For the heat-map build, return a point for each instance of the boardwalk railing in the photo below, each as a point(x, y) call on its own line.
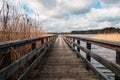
point(114, 67)
point(31, 59)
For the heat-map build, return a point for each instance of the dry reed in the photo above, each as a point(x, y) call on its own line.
point(17, 26)
point(110, 37)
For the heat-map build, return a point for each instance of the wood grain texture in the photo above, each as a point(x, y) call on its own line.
point(61, 63)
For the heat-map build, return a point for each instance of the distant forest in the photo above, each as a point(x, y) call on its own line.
point(97, 31)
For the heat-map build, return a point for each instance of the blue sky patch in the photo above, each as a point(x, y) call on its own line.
point(98, 5)
point(28, 10)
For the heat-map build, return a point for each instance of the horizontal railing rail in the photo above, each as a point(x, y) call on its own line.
point(114, 67)
point(6, 47)
point(103, 43)
point(8, 71)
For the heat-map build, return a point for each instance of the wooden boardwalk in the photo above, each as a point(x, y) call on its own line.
point(60, 63)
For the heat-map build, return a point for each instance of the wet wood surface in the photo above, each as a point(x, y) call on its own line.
point(61, 63)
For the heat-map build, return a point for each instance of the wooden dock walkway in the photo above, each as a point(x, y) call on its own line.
point(60, 63)
point(55, 60)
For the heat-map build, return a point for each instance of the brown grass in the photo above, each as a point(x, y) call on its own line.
point(17, 26)
point(110, 37)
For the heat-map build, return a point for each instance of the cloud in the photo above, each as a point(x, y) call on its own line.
point(105, 14)
point(95, 19)
point(56, 8)
point(110, 3)
point(49, 4)
point(67, 15)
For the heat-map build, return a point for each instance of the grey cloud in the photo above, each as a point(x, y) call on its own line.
point(49, 4)
point(110, 1)
point(110, 19)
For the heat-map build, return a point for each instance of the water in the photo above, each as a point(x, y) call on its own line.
point(104, 52)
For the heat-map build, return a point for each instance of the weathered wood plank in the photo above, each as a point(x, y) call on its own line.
point(61, 63)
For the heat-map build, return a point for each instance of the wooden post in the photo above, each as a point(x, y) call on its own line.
point(49, 38)
point(118, 62)
point(33, 46)
point(42, 41)
point(73, 41)
point(78, 49)
point(8, 61)
point(47, 41)
point(88, 56)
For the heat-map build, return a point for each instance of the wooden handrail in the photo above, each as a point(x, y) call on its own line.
point(9, 70)
point(5, 47)
point(107, 44)
point(114, 67)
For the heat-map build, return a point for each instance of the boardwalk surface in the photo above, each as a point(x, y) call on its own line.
point(60, 63)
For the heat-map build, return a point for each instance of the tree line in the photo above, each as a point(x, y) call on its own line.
point(98, 31)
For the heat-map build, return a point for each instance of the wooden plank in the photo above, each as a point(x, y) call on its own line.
point(60, 63)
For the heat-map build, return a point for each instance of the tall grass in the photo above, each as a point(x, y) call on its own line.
point(16, 26)
point(110, 37)
point(13, 23)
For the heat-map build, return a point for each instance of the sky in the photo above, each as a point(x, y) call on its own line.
point(69, 15)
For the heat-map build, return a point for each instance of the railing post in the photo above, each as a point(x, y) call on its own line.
point(47, 41)
point(8, 61)
point(33, 46)
point(73, 43)
point(88, 56)
point(70, 40)
point(78, 49)
point(118, 62)
point(42, 41)
point(51, 39)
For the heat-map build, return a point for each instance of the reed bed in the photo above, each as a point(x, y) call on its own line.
point(16, 26)
point(110, 37)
